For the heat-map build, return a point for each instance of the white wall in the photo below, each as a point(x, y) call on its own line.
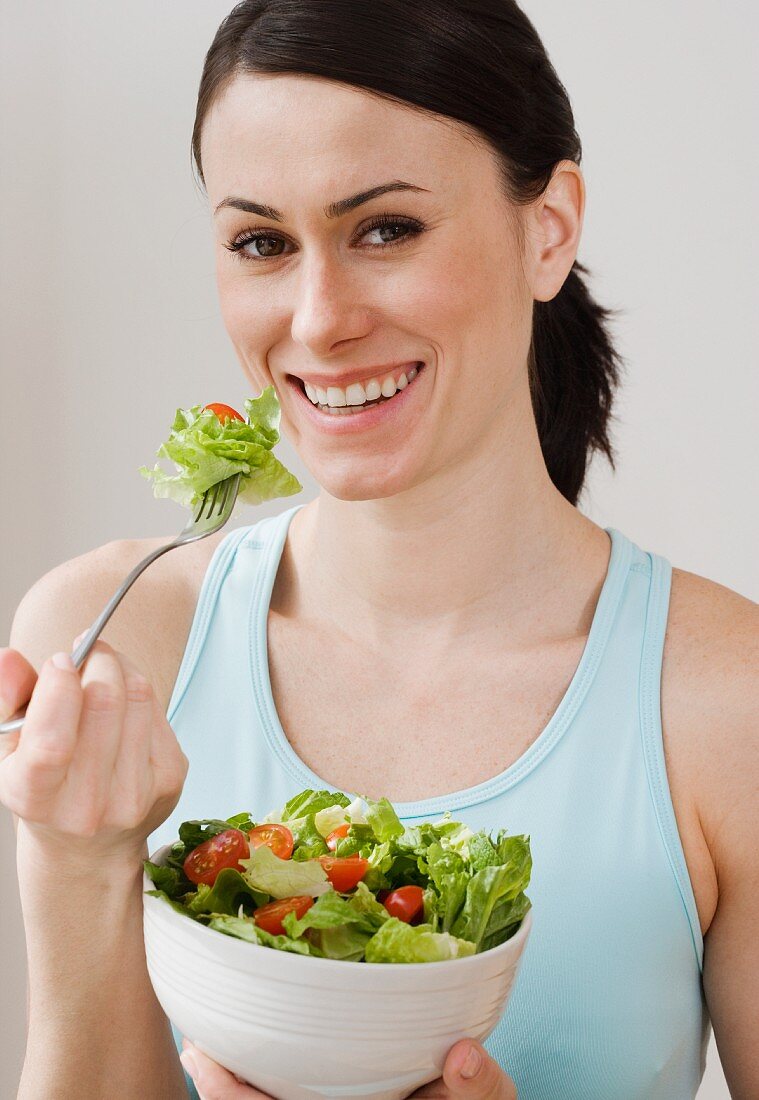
point(109, 317)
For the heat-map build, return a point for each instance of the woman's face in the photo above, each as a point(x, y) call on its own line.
point(325, 297)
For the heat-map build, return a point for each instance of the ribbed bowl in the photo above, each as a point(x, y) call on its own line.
point(299, 1027)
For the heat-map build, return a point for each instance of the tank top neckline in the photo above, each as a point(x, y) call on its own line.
point(620, 558)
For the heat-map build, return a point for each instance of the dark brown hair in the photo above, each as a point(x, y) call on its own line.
point(482, 63)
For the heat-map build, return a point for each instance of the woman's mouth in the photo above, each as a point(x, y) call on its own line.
point(342, 416)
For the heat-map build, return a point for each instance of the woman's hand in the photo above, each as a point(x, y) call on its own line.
point(96, 767)
point(480, 1079)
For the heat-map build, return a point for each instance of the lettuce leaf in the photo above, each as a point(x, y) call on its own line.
point(284, 878)
point(398, 942)
point(245, 929)
point(224, 896)
point(493, 884)
point(383, 819)
point(205, 450)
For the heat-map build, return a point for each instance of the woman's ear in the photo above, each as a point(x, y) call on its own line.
point(553, 230)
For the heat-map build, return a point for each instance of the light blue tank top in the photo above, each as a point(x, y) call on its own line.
point(608, 1003)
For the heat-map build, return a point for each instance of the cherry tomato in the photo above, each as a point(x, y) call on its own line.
point(405, 903)
point(226, 849)
point(277, 837)
point(344, 873)
point(269, 917)
point(224, 412)
point(337, 834)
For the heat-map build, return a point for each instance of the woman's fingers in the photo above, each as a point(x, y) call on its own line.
point(166, 756)
point(101, 722)
point(131, 795)
point(469, 1073)
point(150, 768)
point(212, 1081)
point(17, 680)
point(95, 752)
point(32, 776)
point(97, 766)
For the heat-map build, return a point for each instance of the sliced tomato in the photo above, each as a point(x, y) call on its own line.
point(405, 903)
point(277, 837)
point(269, 917)
point(344, 873)
point(224, 412)
point(337, 834)
point(226, 849)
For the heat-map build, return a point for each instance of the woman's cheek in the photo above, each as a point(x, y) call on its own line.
point(248, 325)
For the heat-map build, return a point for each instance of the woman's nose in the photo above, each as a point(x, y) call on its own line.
point(330, 307)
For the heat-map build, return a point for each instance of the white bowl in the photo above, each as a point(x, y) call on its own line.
point(300, 1027)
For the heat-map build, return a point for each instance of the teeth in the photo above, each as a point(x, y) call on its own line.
point(354, 395)
point(358, 394)
point(335, 397)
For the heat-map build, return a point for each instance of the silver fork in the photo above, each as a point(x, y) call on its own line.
point(209, 517)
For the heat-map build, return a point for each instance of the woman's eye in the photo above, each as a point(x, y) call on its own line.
point(408, 230)
point(390, 231)
point(269, 246)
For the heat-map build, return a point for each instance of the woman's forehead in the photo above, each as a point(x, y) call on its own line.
point(305, 132)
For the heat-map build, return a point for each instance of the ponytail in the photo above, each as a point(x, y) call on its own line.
point(574, 369)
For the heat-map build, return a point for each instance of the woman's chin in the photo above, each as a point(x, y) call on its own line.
point(374, 484)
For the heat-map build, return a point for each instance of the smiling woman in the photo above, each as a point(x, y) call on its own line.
point(445, 239)
point(397, 206)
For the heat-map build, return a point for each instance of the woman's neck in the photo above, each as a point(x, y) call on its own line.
point(501, 554)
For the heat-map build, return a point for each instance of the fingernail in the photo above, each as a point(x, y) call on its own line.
point(188, 1062)
point(63, 660)
point(78, 639)
point(472, 1063)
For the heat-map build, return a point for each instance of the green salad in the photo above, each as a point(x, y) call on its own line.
point(344, 879)
point(208, 443)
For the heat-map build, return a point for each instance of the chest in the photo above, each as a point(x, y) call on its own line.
point(405, 726)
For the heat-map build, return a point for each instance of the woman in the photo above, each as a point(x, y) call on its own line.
point(396, 196)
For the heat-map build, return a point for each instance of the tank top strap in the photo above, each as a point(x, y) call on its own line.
point(657, 614)
point(227, 564)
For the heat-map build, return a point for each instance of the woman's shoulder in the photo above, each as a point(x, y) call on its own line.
point(710, 706)
point(711, 645)
point(151, 624)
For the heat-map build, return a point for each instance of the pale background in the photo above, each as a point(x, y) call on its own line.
point(110, 319)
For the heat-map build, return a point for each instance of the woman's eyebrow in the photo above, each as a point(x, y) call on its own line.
point(332, 210)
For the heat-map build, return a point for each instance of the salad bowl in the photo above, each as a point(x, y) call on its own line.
point(304, 1027)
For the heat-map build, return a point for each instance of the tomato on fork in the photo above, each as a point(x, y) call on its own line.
point(224, 412)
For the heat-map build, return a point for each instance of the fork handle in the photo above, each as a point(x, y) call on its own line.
point(82, 650)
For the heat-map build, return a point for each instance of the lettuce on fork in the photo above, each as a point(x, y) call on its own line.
point(466, 888)
point(206, 449)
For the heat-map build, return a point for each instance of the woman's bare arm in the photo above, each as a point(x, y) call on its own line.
point(711, 677)
point(95, 1027)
